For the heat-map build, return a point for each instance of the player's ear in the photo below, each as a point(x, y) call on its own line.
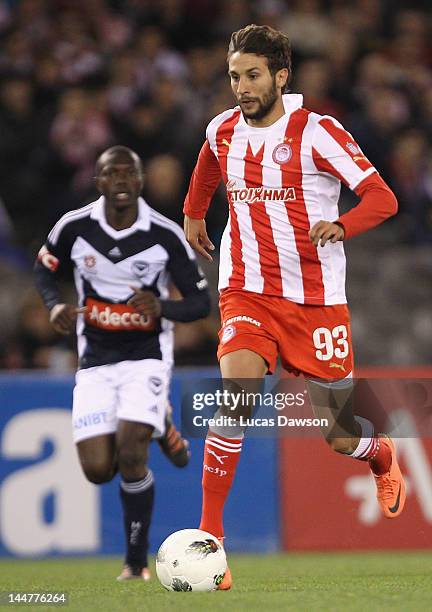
point(142, 175)
point(97, 183)
point(282, 77)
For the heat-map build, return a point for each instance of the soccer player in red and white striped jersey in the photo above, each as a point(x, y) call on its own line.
point(282, 262)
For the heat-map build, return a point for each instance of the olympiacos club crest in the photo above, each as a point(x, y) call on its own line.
point(282, 153)
point(228, 333)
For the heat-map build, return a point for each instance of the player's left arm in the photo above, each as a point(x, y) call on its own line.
point(192, 284)
point(53, 263)
point(336, 152)
point(190, 281)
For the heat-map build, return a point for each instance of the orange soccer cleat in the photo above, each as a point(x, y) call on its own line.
point(391, 490)
point(174, 447)
point(226, 583)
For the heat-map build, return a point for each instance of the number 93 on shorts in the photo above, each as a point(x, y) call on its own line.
point(311, 340)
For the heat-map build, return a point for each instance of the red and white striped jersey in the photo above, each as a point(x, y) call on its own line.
point(280, 181)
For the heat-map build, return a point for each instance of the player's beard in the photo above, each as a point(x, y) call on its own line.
point(265, 105)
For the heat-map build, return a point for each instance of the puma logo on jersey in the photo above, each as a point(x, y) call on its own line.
point(333, 364)
point(226, 143)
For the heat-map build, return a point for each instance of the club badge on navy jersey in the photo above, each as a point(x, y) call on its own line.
point(89, 261)
point(147, 271)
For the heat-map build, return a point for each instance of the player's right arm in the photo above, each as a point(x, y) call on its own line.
point(204, 181)
point(51, 258)
point(335, 152)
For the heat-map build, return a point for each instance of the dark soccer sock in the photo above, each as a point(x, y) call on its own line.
point(137, 501)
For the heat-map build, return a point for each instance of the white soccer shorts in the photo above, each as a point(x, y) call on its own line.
point(127, 390)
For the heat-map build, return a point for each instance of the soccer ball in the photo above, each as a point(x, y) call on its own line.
point(191, 560)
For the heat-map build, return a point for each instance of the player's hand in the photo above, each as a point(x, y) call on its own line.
point(196, 234)
point(145, 302)
point(323, 231)
point(63, 317)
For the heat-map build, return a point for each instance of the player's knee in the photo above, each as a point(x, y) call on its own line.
point(346, 446)
point(132, 461)
point(132, 449)
point(98, 473)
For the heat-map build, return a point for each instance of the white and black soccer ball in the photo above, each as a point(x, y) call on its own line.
point(191, 560)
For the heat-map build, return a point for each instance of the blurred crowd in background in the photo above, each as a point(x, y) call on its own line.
point(77, 76)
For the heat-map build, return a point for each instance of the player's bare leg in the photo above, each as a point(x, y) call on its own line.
point(223, 445)
point(97, 457)
point(355, 436)
point(137, 495)
point(334, 404)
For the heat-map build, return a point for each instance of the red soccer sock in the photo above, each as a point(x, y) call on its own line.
point(379, 456)
point(221, 456)
point(380, 462)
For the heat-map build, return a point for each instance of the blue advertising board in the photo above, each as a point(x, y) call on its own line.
point(48, 508)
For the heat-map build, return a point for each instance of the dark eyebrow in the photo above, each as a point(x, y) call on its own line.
point(230, 72)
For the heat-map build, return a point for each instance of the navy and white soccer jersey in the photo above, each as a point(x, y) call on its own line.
point(106, 265)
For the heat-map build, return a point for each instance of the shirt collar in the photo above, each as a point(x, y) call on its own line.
point(292, 102)
point(142, 222)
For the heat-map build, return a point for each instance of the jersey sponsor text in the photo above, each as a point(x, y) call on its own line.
point(243, 318)
point(116, 317)
point(259, 194)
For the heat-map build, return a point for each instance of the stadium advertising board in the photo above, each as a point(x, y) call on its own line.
point(48, 508)
point(330, 503)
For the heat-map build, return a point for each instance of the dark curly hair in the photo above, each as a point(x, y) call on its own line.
point(266, 41)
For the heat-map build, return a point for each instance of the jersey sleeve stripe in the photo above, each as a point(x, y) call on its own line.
point(346, 141)
point(224, 136)
point(214, 126)
point(73, 215)
point(323, 165)
point(338, 146)
point(161, 220)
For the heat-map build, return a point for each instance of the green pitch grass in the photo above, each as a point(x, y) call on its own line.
point(298, 582)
